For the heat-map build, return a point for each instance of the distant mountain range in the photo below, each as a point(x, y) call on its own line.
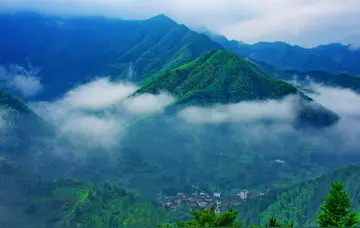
point(334, 58)
point(341, 80)
point(69, 51)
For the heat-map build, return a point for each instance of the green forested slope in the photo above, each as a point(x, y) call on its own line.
point(301, 203)
point(73, 50)
point(21, 128)
point(217, 77)
point(32, 201)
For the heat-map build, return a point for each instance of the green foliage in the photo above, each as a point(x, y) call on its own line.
point(74, 50)
point(336, 212)
point(208, 218)
point(217, 77)
point(301, 202)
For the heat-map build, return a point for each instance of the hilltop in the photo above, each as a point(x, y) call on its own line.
point(222, 77)
point(217, 77)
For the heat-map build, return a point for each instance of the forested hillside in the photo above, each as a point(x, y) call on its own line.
point(20, 128)
point(300, 203)
point(29, 200)
point(69, 51)
point(217, 77)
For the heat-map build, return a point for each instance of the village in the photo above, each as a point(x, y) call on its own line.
point(197, 200)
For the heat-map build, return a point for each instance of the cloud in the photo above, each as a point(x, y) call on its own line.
point(148, 103)
point(98, 94)
point(282, 110)
point(96, 114)
point(345, 102)
point(21, 80)
point(354, 47)
point(302, 22)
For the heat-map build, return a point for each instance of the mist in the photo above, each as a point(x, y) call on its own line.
point(21, 80)
point(105, 132)
point(96, 113)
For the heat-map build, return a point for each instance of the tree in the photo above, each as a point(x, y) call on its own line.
point(273, 222)
point(208, 218)
point(336, 210)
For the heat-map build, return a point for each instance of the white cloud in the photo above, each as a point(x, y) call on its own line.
point(354, 47)
point(302, 22)
point(282, 110)
point(27, 85)
point(97, 113)
point(148, 103)
point(98, 94)
point(342, 101)
point(21, 80)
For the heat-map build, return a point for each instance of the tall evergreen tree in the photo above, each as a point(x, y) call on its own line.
point(336, 210)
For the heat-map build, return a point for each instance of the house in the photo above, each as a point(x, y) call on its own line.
point(244, 194)
point(202, 204)
point(279, 161)
point(217, 194)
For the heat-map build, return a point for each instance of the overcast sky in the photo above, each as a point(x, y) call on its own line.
point(302, 22)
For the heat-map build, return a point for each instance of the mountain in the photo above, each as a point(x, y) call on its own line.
point(22, 132)
point(217, 77)
point(29, 200)
point(221, 77)
point(342, 80)
point(334, 58)
point(164, 152)
point(74, 50)
point(300, 203)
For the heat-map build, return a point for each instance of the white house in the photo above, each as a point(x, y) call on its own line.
point(244, 194)
point(217, 194)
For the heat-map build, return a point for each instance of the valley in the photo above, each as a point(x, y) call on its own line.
point(138, 121)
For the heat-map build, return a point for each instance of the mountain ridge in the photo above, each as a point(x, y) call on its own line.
point(74, 50)
point(333, 57)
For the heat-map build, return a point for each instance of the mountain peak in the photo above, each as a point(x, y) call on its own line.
point(162, 18)
point(218, 77)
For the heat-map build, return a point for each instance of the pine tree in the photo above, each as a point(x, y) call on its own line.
point(208, 218)
point(336, 210)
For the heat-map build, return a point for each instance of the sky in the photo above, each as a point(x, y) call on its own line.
point(303, 22)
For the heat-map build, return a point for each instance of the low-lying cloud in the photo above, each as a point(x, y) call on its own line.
point(21, 80)
point(97, 113)
point(282, 110)
point(98, 94)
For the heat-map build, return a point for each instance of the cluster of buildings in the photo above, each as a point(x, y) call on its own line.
point(197, 200)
